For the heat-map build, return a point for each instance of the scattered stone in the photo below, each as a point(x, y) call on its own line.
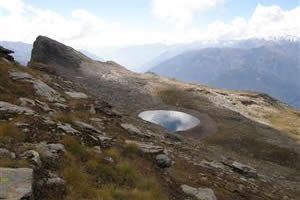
point(92, 109)
point(55, 181)
point(40, 87)
point(97, 149)
point(48, 121)
point(242, 169)
point(134, 130)
point(16, 183)
point(96, 119)
point(20, 76)
point(67, 128)
point(87, 127)
point(212, 164)
point(7, 154)
point(50, 150)
point(43, 106)
point(61, 106)
point(109, 160)
point(19, 124)
point(163, 161)
point(44, 90)
point(26, 102)
point(199, 193)
point(77, 95)
point(33, 157)
point(147, 148)
point(104, 140)
point(7, 109)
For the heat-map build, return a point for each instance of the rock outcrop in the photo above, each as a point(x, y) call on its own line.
point(16, 183)
point(5, 53)
point(48, 51)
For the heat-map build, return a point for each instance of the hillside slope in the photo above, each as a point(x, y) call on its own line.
point(56, 122)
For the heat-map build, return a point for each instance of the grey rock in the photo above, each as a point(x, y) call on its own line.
point(77, 95)
point(104, 140)
point(199, 193)
point(96, 120)
point(50, 150)
point(44, 90)
point(163, 161)
point(33, 157)
point(55, 181)
point(40, 87)
point(7, 108)
point(242, 169)
point(134, 130)
point(147, 148)
point(212, 164)
point(67, 128)
point(87, 127)
point(48, 121)
point(26, 102)
point(7, 154)
point(97, 149)
point(20, 76)
point(16, 184)
point(20, 124)
point(61, 105)
point(92, 109)
point(43, 106)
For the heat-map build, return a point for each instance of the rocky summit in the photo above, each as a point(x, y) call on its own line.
point(69, 129)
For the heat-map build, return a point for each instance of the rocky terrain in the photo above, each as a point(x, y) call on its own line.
point(69, 130)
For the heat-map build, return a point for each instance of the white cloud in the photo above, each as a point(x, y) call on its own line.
point(21, 22)
point(181, 12)
point(82, 29)
point(266, 22)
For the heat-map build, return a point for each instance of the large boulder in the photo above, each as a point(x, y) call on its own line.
point(48, 51)
point(16, 184)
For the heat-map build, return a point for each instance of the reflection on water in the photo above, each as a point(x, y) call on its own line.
point(171, 120)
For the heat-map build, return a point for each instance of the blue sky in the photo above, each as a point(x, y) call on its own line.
point(139, 11)
point(90, 23)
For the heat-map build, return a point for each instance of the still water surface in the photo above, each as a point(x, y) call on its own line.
point(171, 120)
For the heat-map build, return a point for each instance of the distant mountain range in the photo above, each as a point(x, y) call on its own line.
point(271, 67)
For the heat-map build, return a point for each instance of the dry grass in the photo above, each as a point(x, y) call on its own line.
point(70, 117)
point(9, 134)
point(287, 121)
point(5, 162)
point(89, 176)
point(11, 90)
